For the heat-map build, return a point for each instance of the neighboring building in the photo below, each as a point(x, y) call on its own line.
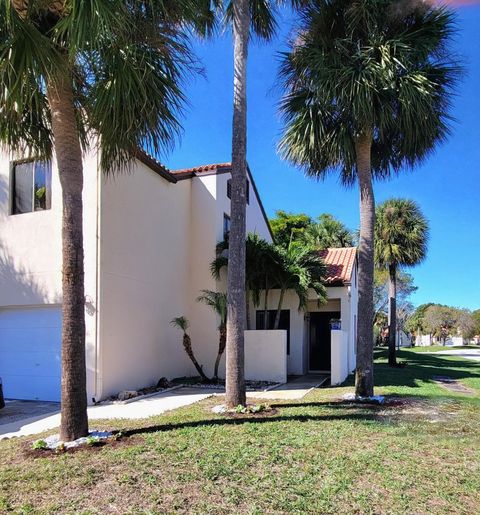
point(311, 345)
point(149, 238)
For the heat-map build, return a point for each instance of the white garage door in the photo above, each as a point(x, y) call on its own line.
point(30, 342)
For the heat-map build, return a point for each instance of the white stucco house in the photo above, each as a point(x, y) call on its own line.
point(149, 238)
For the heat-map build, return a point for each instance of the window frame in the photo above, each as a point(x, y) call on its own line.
point(12, 185)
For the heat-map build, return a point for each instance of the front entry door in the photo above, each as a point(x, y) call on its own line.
point(320, 340)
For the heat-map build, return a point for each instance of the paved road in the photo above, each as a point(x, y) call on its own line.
point(473, 354)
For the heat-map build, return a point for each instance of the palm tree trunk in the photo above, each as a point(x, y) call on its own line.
point(265, 306)
point(235, 373)
point(279, 310)
point(221, 349)
point(364, 371)
point(187, 345)
point(392, 313)
point(74, 421)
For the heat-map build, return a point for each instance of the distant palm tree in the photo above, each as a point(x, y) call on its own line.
point(298, 268)
point(183, 324)
point(218, 302)
point(328, 232)
point(79, 68)
point(368, 86)
point(401, 239)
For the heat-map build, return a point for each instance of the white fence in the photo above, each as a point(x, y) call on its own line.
point(266, 356)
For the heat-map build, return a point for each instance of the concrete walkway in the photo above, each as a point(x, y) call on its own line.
point(45, 420)
point(295, 389)
point(143, 408)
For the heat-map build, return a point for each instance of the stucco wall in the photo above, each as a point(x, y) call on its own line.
point(144, 274)
point(339, 371)
point(31, 250)
point(209, 203)
point(340, 299)
point(265, 356)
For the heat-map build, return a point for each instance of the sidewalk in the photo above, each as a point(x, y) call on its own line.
point(143, 408)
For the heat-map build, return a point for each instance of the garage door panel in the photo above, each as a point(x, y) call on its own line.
point(26, 338)
point(35, 317)
point(33, 388)
point(30, 352)
point(31, 363)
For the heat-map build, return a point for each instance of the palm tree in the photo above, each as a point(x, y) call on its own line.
point(299, 268)
point(328, 232)
point(259, 268)
point(368, 86)
point(79, 71)
point(401, 237)
point(246, 16)
point(218, 302)
point(183, 324)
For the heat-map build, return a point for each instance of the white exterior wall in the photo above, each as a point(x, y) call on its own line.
point(31, 251)
point(209, 203)
point(343, 299)
point(144, 276)
point(339, 371)
point(265, 356)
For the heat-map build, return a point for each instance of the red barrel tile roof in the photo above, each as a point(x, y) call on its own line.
point(340, 263)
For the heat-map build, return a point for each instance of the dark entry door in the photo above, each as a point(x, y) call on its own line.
point(320, 340)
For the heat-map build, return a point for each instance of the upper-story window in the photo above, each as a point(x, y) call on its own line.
point(229, 190)
point(31, 186)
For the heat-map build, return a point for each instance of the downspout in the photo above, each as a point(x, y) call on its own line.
point(97, 281)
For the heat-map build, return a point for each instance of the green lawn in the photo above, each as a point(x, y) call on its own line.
point(419, 454)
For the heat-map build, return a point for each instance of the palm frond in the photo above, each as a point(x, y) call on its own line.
point(181, 323)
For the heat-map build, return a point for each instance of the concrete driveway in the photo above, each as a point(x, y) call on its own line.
point(15, 411)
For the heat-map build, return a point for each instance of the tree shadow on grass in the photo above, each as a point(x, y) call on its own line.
point(421, 367)
point(361, 417)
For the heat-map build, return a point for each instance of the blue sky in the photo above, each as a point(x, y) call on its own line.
point(447, 186)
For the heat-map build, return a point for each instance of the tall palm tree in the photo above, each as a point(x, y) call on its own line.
point(77, 71)
point(368, 86)
point(218, 302)
point(401, 238)
point(246, 17)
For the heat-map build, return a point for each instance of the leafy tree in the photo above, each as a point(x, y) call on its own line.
point(405, 288)
point(287, 227)
point(75, 70)
point(416, 322)
point(367, 93)
point(401, 238)
point(183, 324)
point(218, 302)
point(476, 318)
point(328, 232)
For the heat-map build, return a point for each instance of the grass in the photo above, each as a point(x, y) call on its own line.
point(419, 454)
point(440, 348)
